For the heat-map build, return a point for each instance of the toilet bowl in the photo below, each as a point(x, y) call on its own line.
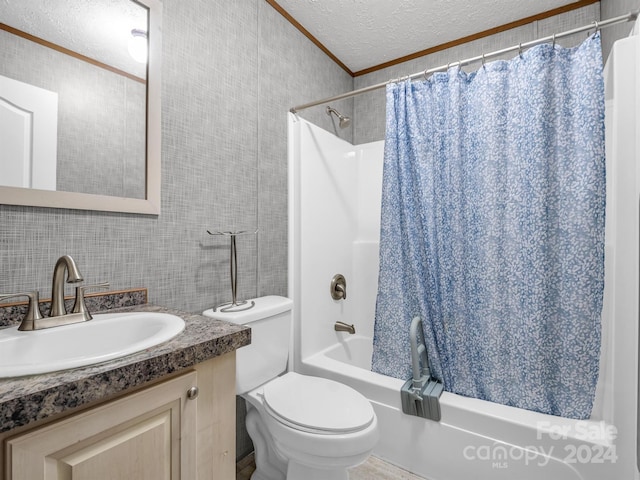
point(302, 427)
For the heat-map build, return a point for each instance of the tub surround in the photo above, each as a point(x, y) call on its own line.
point(517, 442)
point(25, 400)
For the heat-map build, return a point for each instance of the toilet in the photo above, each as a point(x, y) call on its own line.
point(302, 427)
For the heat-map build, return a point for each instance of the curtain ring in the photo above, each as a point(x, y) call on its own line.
point(520, 50)
point(597, 24)
point(554, 41)
point(483, 60)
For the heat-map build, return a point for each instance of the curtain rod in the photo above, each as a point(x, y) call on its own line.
point(552, 38)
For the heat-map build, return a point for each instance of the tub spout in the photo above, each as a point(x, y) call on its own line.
point(344, 327)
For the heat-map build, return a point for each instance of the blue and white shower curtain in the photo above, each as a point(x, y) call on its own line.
point(492, 228)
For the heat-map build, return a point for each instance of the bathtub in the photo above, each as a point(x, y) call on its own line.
point(475, 438)
point(334, 225)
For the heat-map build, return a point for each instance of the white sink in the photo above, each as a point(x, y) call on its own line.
point(106, 337)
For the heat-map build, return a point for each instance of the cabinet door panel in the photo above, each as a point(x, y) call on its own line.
point(142, 451)
point(148, 435)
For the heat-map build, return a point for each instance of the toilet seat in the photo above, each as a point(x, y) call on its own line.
point(316, 405)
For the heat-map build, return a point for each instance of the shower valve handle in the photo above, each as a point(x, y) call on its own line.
point(338, 287)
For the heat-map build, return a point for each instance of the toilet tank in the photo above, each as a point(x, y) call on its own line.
point(266, 357)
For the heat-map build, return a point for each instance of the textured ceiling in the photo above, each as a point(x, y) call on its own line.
point(360, 33)
point(366, 33)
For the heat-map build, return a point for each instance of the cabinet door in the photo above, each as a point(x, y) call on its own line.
point(147, 435)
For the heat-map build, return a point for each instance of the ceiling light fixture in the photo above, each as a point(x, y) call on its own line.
point(138, 45)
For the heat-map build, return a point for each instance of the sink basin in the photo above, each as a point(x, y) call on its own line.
point(106, 337)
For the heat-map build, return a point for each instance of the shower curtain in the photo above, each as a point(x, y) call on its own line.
point(492, 228)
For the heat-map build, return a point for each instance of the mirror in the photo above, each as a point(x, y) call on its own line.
point(80, 117)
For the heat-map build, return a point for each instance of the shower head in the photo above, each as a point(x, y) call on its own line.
point(344, 121)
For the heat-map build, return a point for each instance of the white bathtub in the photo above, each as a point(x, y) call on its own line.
point(475, 439)
point(334, 214)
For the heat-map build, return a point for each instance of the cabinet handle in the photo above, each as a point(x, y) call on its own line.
point(192, 393)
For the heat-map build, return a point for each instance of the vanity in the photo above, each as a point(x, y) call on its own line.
point(167, 412)
point(164, 412)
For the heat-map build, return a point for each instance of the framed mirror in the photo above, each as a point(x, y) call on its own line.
point(79, 105)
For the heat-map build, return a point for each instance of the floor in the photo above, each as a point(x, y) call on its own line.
point(372, 469)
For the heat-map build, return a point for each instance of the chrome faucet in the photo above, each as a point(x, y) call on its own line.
point(65, 264)
point(65, 269)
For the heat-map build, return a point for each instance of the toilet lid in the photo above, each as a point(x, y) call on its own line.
point(317, 404)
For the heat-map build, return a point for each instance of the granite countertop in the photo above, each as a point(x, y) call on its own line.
point(24, 400)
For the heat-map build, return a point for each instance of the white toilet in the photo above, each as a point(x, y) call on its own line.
point(302, 427)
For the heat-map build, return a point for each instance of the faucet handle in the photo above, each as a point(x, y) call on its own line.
point(33, 311)
point(338, 288)
point(79, 306)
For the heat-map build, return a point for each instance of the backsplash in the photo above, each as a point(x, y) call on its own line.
point(13, 313)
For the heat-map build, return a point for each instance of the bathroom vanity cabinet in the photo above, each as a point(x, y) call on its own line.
point(147, 435)
point(164, 431)
point(135, 417)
